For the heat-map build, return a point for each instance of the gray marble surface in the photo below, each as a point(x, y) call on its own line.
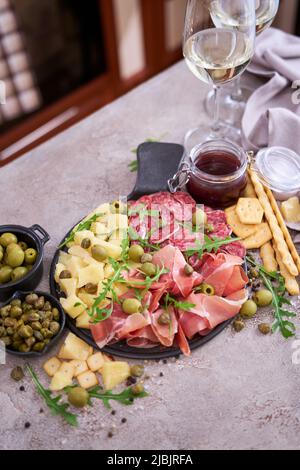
point(240, 391)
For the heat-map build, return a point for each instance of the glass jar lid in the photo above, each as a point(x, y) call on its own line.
point(278, 168)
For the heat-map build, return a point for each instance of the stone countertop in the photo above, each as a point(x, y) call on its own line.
point(240, 391)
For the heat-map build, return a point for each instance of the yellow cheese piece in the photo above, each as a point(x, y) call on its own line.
point(73, 306)
point(51, 366)
point(112, 250)
point(96, 361)
point(291, 210)
point(68, 286)
point(87, 379)
point(114, 373)
point(79, 236)
point(91, 274)
point(79, 367)
point(74, 348)
point(83, 321)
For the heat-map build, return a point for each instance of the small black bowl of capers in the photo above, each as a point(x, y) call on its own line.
point(21, 258)
point(31, 323)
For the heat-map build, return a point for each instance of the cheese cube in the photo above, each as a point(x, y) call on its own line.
point(79, 236)
point(79, 367)
point(82, 254)
point(74, 348)
point(108, 271)
point(91, 274)
point(67, 368)
point(63, 377)
point(87, 379)
point(98, 228)
point(96, 361)
point(83, 321)
point(68, 286)
point(75, 264)
point(73, 306)
point(114, 373)
point(51, 366)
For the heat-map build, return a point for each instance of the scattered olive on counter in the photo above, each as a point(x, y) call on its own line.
point(17, 373)
point(238, 325)
point(78, 397)
point(249, 309)
point(263, 298)
point(28, 325)
point(16, 259)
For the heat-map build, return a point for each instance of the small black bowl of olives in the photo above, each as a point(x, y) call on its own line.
point(31, 323)
point(21, 258)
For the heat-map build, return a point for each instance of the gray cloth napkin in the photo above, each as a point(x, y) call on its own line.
point(272, 114)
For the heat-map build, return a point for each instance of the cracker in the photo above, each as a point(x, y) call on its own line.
point(291, 283)
point(249, 190)
point(278, 236)
point(259, 238)
point(239, 229)
point(267, 255)
point(249, 210)
point(284, 229)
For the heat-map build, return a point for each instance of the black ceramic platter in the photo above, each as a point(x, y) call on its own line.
point(157, 162)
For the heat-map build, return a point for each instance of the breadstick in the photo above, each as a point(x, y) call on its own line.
point(284, 228)
point(267, 255)
point(291, 283)
point(279, 239)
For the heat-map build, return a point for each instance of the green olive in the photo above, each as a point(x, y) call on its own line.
point(137, 370)
point(99, 253)
point(15, 257)
point(8, 238)
point(263, 298)
point(16, 311)
point(188, 270)
point(12, 246)
point(30, 256)
point(249, 309)
point(5, 274)
point(78, 397)
point(86, 243)
point(23, 245)
point(38, 346)
point(146, 258)
point(264, 328)
point(19, 273)
point(164, 318)
point(118, 207)
point(131, 306)
point(137, 389)
point(206, 289)
point(65, 274)
point(31, 299)
point(25, 331)
point(238, 325)
point(135, 253)
point(149, 269)
point(199, 218)
point(91, 288)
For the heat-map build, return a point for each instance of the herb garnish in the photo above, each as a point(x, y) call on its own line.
point(53, 402)
point(86, 225)
point(126, 397)
point(211, 244)
point(182, 305)
point(143, 242)
point(286, 327)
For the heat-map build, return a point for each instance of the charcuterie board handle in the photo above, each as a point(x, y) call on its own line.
point(157, 163)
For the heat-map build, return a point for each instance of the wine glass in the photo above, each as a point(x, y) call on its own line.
point(233, 103)
point(217, 52)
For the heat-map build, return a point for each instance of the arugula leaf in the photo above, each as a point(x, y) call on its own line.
point(53, 402)
point(211, 244)
point(182, 305)
point(144, 243)
point(126, 397)
point(86, 225)
point(286, 327)
point(148, 281)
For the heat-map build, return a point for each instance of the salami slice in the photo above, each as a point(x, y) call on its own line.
point(234, 248)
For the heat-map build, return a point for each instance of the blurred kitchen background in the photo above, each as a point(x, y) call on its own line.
point(63, 59)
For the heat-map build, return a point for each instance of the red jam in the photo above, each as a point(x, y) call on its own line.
point(218, 175)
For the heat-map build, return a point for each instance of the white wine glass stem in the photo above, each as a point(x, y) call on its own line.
point(216, 122)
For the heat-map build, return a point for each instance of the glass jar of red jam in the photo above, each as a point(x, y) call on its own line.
point(215, 173)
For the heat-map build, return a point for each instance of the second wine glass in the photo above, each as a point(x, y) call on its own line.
point(217, 53)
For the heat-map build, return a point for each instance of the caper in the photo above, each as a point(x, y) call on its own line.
point(264, 328)
point(30, 341)
point(91, 288)
point(46, 324)
point(137, 370)
point(12, 322)
point(199, 218)
point(37, 334)
point(54, 327)
point(263, 298)
point(137, 389)
point(8, 238)
point(149, 269)
point(49, 315)
point(16, 336)
point(78, 397)
point(131, 306)
point(6, 340)
point(39, 304)
point(146, 258)
point(20, 323)
point(10, 331)
point(86, 243)
point(254, 273)
point(135, 253)
point(16, 303)
point(238, 325)
point(16, 344)
point(249, 309)
point(5, 311)
point(23, 245)
point(188, 270)
point(33, 317)
point(38, 346)
point(206, 289)
point(17, 373)
point(25, 331)
point(47, 341)
point(24, 348)
point(26, 307)
point(55, 313)
point(47, 306)
point(31, 299)
point(46, 333)
point(2, 331)
point(16, 311)
point(65, 274)
point(164, 318)
point(99, 253)
point(25, 317)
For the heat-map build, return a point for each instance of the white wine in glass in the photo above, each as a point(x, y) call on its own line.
point(217, 53)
